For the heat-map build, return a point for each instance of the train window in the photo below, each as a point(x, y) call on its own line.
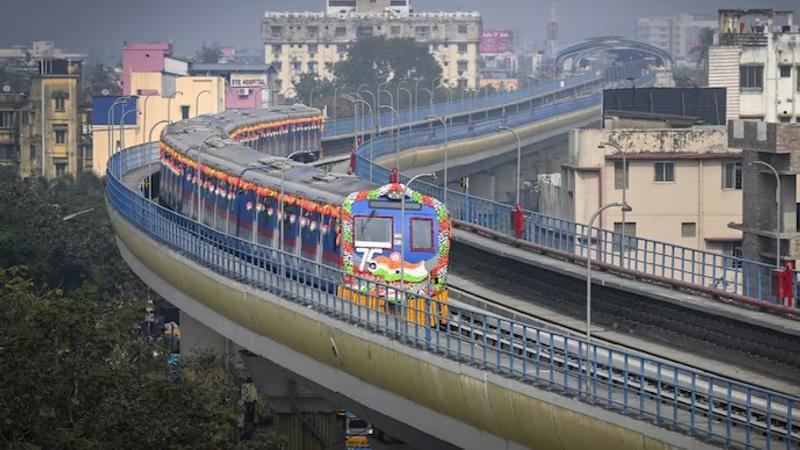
point(372, 231)
point(383, 204)
point(422, 235)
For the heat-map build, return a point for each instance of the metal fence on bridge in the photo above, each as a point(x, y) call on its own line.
point(716, 409)
point(727, 275)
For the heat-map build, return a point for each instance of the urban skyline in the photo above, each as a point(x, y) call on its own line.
point(110, 23)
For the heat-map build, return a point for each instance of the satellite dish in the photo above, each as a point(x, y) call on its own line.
point(6, 88)
point(105, 92)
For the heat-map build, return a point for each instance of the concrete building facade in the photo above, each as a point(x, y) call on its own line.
point(164, 92)
point(757, 59)
point(684, 185)
point(42, 119)
point(778, 145)
point(246, 85)
point(312, 42)
point(678, 34)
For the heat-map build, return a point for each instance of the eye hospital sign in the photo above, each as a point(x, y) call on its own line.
point(248, 80)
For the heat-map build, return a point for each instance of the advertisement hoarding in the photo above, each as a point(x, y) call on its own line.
point(497, 41)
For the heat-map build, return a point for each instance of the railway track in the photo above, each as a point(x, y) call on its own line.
point(721, 339)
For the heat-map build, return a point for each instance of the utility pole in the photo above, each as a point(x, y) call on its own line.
point(552, 38)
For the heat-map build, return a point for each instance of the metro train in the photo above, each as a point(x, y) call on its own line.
point(335, 220)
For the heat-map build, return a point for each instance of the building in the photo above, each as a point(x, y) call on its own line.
point(684, 185)
point(679, 35)
point(246, 85)
point(157, 88)
point(778, 145)
point(41, 116)
point(312, 42)
point(757, 58)
point(499, 63)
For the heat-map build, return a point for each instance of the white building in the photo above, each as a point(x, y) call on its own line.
point(312, 42)
point(678, 35)
point(757, 58)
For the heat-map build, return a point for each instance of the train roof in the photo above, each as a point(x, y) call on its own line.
point(212, 133)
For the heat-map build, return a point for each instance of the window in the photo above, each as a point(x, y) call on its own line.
point(786, 71)
point(462, 66)
point(422, 235)
point(620, 177)
point(184, 111)
point(61, 136)
point(329, 66)
point(462, 29)
point(395, 29)
point(277, 48)
point(296, 66)
point(341, 48)
point(312, 67)
point(276, 29)
point(732, 175)
point(312, 29)
point(364, 31)
point(751, 77)
point(277, 65)
point(734, 250)
point(665, 172)
point(688, 229)
point(462, 48)
point(312, 49)
point(422, 30)
point(340, 31)
point(59, 101)
point(61, 169)
point(6, 119)
point(630, 234)
point(373, 231)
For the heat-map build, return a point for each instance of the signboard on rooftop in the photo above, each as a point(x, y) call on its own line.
point(497, 41)
point(248, 80)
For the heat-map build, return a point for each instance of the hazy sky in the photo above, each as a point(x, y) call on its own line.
point(100, 26)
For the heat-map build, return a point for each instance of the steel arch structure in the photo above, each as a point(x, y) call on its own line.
point(611, 44)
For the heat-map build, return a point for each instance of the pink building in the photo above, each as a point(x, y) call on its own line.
point(143, 57)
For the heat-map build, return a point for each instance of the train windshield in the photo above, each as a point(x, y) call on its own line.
point(374, 232)
point(422, 235)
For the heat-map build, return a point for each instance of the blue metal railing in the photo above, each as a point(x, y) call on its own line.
point(347, 126)
point(702, 405)
point(691, 267)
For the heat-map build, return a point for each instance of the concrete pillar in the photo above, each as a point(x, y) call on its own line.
point(482, 185)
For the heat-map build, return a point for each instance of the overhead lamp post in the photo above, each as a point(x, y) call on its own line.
point(614, 144)
point(169, 104)
point(335, 97)
point(355, 118)
point(403, 224)
point(110, 123)
point(444, 124)
point(372, 133)
point(391, 102)
point(150, 160)
point(197, 101)
point(311, 95)
point(281, 200)
point(624, 206)
point(122, 138)
point(778, 217)
point(430, 96)
point(373, 106)
point(144, 113)
point(519, 158)
point(412, 107)
point(395, 126)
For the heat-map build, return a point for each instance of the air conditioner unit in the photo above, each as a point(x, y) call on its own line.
point(243, 92)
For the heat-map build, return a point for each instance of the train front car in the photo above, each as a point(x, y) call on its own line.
point(374, 224)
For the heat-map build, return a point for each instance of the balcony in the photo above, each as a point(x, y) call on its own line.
point(744, 40)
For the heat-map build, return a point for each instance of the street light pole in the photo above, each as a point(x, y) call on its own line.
point(444, 124)
point(110, 123)
point(150, 160)
point(614, 144)
point(122, 138)
point(589, 263)
point(197, 101)
point(519, 157)
point(335, 97)
point(169, 104)
point(311, 95)
point(403, 225)
point(372, 133)
point(779, 214)
point(395, 125)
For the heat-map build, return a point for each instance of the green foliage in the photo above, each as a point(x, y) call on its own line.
point(208, 54)
point(376, 60)
point(76, 370)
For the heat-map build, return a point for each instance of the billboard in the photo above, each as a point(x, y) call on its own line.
point(497, 41)
point(248, 80)
point(101, 106)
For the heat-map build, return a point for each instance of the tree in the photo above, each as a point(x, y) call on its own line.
point(376, 60)
point(98, 78)
point(700, 51)
point(208, 54)
point(307, 82)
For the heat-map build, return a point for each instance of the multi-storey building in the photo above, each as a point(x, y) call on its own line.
point(312, 42)
point(41, 116)
point(159, 89)
point(684, 185)
point(679, 35)
point(757, 58)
